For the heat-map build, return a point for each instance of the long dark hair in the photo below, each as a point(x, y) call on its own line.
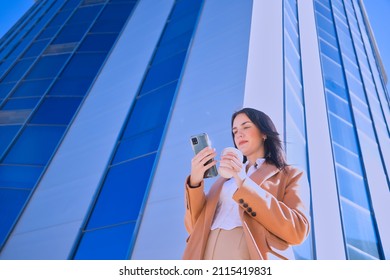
point(273, 150)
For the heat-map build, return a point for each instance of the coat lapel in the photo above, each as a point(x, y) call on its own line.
point(265, 171)
point(213, 197)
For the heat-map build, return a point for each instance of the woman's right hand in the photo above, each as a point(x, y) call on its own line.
point(198, 167)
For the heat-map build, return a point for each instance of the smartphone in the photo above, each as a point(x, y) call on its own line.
point(198, 143)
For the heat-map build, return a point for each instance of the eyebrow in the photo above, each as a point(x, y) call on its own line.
point(242, 124)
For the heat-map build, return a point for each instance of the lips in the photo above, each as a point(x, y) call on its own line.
point(242, 142)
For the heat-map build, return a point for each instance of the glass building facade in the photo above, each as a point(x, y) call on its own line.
point(98, 99)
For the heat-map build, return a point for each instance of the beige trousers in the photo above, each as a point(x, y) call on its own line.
point(226, 245)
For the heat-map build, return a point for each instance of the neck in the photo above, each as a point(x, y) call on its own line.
point(252, 158)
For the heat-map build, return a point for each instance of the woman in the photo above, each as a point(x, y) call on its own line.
point(258, 213)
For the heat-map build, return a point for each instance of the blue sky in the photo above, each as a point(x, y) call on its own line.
point(378, 12)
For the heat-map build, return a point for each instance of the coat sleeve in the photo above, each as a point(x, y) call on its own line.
point(286, 218)
point(195, 200)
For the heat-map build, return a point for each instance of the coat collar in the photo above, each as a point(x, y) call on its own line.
point(264, 172)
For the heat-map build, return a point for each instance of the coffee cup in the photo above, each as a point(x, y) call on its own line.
point(240, 156)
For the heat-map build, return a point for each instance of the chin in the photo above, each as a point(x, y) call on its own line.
point(243, 151)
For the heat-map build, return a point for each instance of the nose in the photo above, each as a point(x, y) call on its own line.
point(239, 134)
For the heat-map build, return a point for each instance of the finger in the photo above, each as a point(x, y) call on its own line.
point(208, 157)
point(210, 164)
point(232, 164)
point(232, 157)
point(204, 153)
point(226, 164)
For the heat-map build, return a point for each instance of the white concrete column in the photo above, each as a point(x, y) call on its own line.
point(264, 78)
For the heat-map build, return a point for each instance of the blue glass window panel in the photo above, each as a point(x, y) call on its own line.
point(71, 4)
point(140, 145)
point(116, 11)
point(171, 87)
point(7, 132)
point(84, 65)
point(106, 244)
point(184, 7)
point(120, 1)
point(295, 109)
point(346, 46)
point(291, 36)
point(332, 70)
point(365, 125)
point(356, 254)
point(21, 103)
point(339, 7)
point(72, 33)
point(84, 14)
point(343, 134)
point(293, 59)
point(5, 89)
point(351, 67)
point(296, 144)
point(71, 86)
point(113, 18)
point(4, 66)
point(150, 111)
point(323, 10)
point(348, 50)
point(290, 16)
point(48, 32)
point(60, 18)
point(11, 203)
point(32, 88)
point(14, 116)
point(331, 39)
point(162, 73)
point(339, 106)
point(337, 89)
point(56, 110)
point(36, 48)
point(359, 229)
point(48, 66)
point(122, 193)
point(98, 42)
point(18, 70)
point(179, 26)
point(35, 146)
point(293, 80)
point(357, 88)
point(347, 159)
point(172, 47)
point(352, 186)
point(23, 44)
point(19, 176)
point(330, 51)
point(325, 23)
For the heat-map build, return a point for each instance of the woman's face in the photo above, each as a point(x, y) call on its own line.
point(247, 137)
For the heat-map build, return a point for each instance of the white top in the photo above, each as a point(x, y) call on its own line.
point(227, 216)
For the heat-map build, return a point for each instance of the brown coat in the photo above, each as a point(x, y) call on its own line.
point(277, 217)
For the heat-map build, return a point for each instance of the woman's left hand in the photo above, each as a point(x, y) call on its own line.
point(231, 164)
